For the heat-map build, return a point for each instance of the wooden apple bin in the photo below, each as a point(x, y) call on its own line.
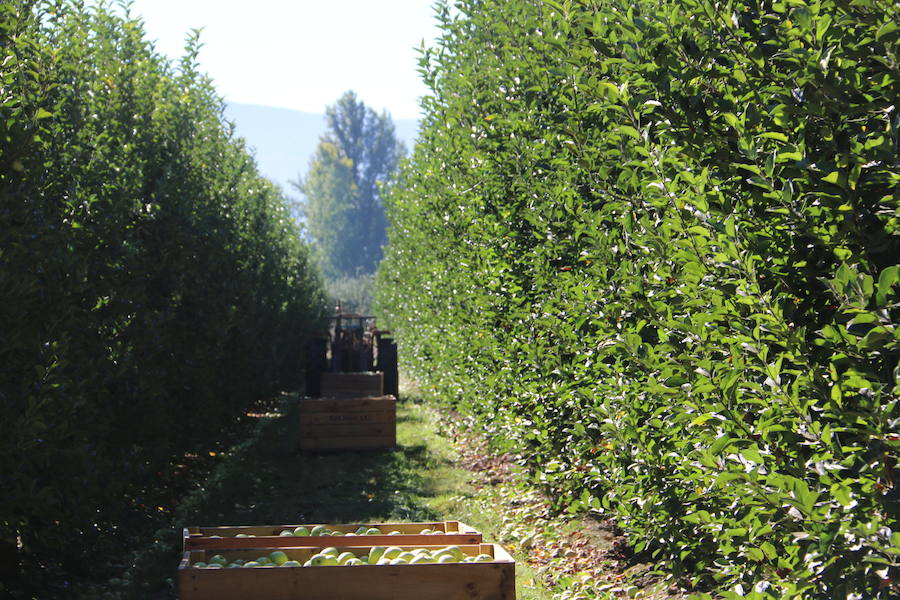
point(493, 580)
point(267, 536)
point(348, 423)
point(352, 385)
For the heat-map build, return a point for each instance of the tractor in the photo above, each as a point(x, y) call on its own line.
point(352, 344)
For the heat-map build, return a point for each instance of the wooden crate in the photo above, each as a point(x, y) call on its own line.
point(348, 423)
point(352, 385)
point(267, 536)
point(494, 580)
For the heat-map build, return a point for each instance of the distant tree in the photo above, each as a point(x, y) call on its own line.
point(344, 214)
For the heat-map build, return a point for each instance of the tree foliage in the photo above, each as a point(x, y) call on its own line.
point(356, 159)
point(653, 247)
point(152, 284)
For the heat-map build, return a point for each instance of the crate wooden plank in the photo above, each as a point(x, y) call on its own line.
point(384, 414)
point(352, 384)
point(494, 580)
point(265, 536)
point(348, 405)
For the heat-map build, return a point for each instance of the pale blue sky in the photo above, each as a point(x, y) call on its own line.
point(302, 54)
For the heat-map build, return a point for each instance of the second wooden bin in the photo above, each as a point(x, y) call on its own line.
point(348, 423)
point(267, 536)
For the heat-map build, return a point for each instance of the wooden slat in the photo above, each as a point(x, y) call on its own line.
point(223, 543)
point(352, 384)
point(345, 405)
point(451, 532)
point(384, 414)
point(456, 581)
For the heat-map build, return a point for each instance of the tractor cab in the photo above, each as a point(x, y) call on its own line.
point(352, 344)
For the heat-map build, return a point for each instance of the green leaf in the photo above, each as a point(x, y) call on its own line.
point(752, 454)
point(888, 278)
point(887, 28)
point(630, 131)
point(822, 25)
point(775, 135)
point(842, 493)
point(610, 90)
point(755, 554)
point(832, 177)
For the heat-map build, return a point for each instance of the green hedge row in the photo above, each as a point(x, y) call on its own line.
point(152, 283)
point(653, 246)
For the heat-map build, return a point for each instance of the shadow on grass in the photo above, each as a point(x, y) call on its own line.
point(268, 480)
point(272, 481)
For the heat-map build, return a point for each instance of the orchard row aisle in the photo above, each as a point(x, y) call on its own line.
point(438, 472)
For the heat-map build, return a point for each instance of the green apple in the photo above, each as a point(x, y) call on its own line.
point(456, 551)
point(395, 532)
point(484, 558)
point(354, 562)
point(278, 557)
point(264, 560)
point(421, 559)
point(234, 565)
point(343, 557)
point(446, 558)
point(331, 551)
point(392, 552)
point(250, 564)
point(241, 535)
point(319, 530)
point(375, 553)
point(407, 556)
point(219, 560)
point(214, 566)
point(425, 532)
point(323, 560)
point(362, 530)
point(200, 564)
point(286, 533)
point(301, 531)
point(373, 531)
point(398, 561)
point(291, 563)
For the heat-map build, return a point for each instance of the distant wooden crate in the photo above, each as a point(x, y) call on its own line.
point(493, 580)
point(267, 536)
point(348, 423)
point(355, 385)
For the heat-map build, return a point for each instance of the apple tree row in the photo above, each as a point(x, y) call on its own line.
point(152, 283)
point(652, 247)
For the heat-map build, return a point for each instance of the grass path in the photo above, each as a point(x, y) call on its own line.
point(266, 479)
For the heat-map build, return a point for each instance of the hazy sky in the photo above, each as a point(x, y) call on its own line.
point(302, 54)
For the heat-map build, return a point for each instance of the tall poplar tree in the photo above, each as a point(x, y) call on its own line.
point(357, 155)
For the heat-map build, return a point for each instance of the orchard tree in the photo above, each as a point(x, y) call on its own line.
point(356, 157)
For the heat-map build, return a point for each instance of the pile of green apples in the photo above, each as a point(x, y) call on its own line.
point(319, 530)
point(378, 555)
